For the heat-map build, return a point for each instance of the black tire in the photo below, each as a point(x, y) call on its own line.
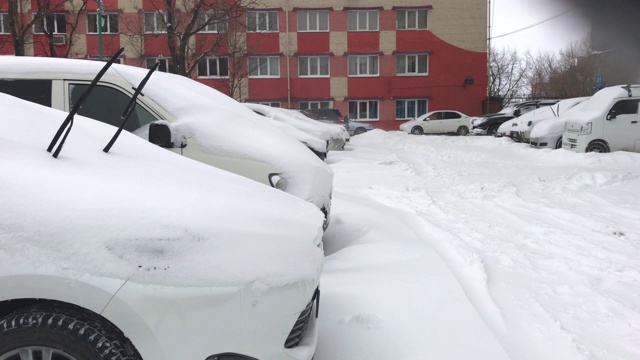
point(559, 143)
point(597, 146)
point(69, 333)
point(462, 130)
point(492, 131)
point(417, 130)
point(359, 131)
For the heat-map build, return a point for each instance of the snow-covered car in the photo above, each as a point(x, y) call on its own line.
point(438, 122)
point(505, 128)
point(610, 121)
point(522, 128)
point(335, 126)
point(548, 133)
point(333, 136)
point(139, 253)
point(316, 145)
point(190, 119)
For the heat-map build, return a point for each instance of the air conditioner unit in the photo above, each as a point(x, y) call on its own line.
point(59, 39)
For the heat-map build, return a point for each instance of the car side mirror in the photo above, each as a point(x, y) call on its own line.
point(160, 134)
point(517, 112)
point(611, 115)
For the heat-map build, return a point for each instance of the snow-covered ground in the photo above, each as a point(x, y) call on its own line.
point(480, 248)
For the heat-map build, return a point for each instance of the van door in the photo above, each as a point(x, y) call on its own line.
point(622, 125)
point(34, 90)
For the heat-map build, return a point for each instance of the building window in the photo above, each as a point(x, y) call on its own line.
point(52, 23)
point(275, 104)
point(411, 19)
point(165, 63)
point(304, 105)
point(313, 21)
point(362, 20)
point(155, 22)
point(109, 23)
point(213, 67)
point(363, 65)
point(412, 64)
point(262, 21)
point(4, 23)
point(264, 66)
point(313, 66)
point(363, 110)
point(408, 109)
point(212, 22)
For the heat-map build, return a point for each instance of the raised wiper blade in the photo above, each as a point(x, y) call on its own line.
point(130, 107)
point(68, 122)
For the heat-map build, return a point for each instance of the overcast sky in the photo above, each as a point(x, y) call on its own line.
point(552, 36)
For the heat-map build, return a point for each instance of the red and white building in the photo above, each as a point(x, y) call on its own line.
point(381, 62)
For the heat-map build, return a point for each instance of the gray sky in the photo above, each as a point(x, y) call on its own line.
point(551, 36)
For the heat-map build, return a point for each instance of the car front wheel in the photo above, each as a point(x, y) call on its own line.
point(462, 131)
point(417, 130)
point(359, 131)
point(61, 333)
point(492, 131)
point(559, 143)
point(597, 146)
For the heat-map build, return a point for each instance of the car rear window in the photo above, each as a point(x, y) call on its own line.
point(37, 91)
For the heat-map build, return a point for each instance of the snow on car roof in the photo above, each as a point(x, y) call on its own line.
point(140, 212)
point(218, 123)
point(312, 127)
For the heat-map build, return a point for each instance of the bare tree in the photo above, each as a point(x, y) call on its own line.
point(507, 73)
point(68, 10)
point(21, 24)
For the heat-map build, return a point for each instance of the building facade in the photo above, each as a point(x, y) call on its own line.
point(381, 62)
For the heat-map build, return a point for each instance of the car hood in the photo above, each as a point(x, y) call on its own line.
point(140, 212)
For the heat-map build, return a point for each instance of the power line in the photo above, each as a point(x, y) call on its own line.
point(533, 25)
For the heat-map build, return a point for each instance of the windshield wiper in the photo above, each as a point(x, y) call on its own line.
point(130, 107)
point(68, 122)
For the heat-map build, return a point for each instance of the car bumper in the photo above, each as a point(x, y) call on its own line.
point(572, 141)
point(479, 131)
point(168, 323)
point(336, 144)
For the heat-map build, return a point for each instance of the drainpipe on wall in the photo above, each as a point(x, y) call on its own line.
point(286, 12)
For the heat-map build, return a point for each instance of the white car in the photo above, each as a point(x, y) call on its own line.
point(521, 131)
point(548, 133)
point(332, 136)
point(139, 253)
point(199, 122)
point(339, 142)
point(317, 146)
point(438, 122)
point(505, 129)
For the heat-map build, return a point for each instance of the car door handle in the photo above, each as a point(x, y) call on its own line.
point(634, 122)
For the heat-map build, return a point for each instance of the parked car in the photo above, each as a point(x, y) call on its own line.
point(354, 127)
point(336, 126)
point(490, 123)
point(505, 128)
point(608, 122)
point(521, 130)
point(316, 145)
point(141, 254)
point(438, 122)
point(190, 119)
point(332, 136)
point(548, 133)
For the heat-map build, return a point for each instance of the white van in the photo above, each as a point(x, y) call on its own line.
point(608, 122)
point(204, 124)
point(141, 254)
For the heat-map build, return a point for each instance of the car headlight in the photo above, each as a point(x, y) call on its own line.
point(529, 123)
point(277, 181)
point(585, 129)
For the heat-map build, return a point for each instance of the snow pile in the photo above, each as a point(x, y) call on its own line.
point(140, 212)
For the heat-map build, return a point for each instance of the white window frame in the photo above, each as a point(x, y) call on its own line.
point(4, 23)
point(416, 20)
point(269, 60)
point(269, 27)
point(105, 22)
point(311, 63)
point(208, 64)
point(165, 62)
point(306, 105)
point(415, 101)
point(368, 103)
point(369, 61)
point(55, 23)
point(308, 16)
point(274, 104)
point(159, 20)
point(360, 23)
point(217, 27)
point(406, 58)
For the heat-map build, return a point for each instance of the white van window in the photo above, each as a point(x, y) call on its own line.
point(625, 107)
point(37, 91)
point(107, 104)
